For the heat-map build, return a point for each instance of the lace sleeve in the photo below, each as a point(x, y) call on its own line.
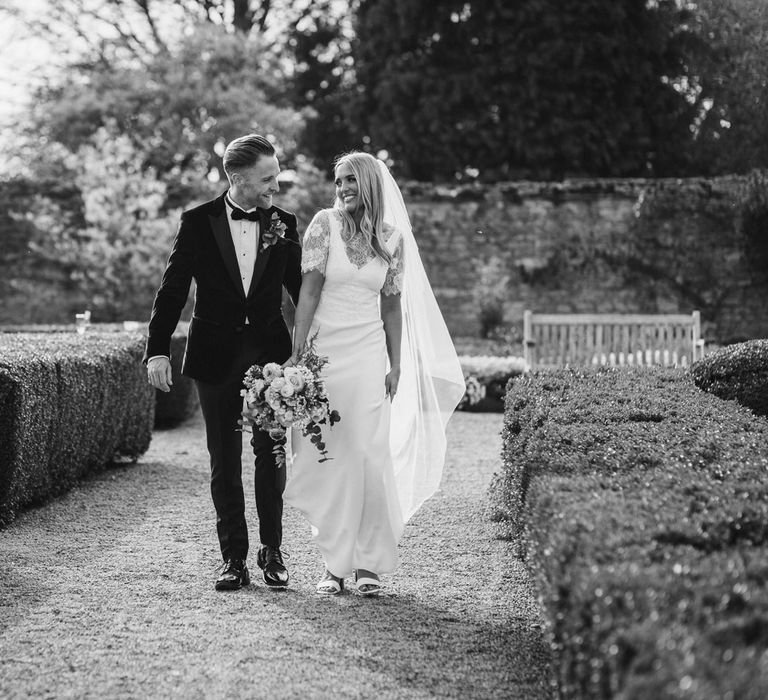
point(314, 252)
point(393, 282)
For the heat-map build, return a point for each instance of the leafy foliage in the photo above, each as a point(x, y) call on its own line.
point(642, 506)
point(689, 266)
point(117, 255)
point(69, 405)
point(322, 81)
point(739, 372)
point(728, 63)
point(179, 109)
point(534, 89)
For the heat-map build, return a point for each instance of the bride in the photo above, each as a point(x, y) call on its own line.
point(393, 375)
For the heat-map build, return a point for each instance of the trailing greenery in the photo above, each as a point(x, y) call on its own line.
point(641, 507)
point(737, 372)
point(69, 405)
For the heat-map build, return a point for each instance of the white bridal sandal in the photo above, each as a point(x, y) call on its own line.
point(367, 586)
point(329, 584)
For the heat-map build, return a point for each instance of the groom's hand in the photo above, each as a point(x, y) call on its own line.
point(159, 373)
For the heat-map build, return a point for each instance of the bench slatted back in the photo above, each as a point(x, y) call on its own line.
point(557, 340)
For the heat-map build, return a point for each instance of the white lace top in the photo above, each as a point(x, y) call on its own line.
point(316, 245)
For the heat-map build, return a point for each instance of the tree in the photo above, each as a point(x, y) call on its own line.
point(284, 55)
point(729, 65)
point(179, 110)
point(322, 81)
point(114, 250)
point(141, 28)
point(536, 88)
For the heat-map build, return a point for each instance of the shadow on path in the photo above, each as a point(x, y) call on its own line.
point(108, 592)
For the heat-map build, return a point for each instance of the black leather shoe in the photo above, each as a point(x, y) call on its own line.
point(234, 574)
point(270, 561)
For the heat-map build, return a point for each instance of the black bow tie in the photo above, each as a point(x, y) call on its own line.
point(240, 214)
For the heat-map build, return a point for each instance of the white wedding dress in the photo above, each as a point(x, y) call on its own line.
point(351, 500)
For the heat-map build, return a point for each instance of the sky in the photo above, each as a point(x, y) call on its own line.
point(21, 58)
point(25, 59)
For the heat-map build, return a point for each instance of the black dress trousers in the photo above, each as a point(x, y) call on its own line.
point(221, 404)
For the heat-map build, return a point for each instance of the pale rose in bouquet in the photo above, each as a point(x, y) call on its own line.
point(278, 398)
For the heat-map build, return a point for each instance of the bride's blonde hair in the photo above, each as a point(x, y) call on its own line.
point(368, 176)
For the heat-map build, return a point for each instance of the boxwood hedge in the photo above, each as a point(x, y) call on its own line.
point(640, 504)
point(171, 408)
point(69, 405)
point(737, 372)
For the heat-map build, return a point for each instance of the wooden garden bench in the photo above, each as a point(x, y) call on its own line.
point(558, 340)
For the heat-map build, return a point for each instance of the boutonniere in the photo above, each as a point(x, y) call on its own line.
point(275, 234)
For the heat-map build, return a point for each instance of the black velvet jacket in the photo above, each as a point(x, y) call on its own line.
point(203, 251)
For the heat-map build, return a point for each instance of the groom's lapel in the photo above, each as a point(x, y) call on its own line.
point(262, 256)
point(223, 236)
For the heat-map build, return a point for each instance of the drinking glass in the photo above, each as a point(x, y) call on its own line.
point(82, 321)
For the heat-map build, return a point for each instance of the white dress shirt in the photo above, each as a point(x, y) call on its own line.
point(245, 236)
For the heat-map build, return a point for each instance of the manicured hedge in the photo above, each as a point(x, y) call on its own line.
point(69, 405)
point(737, 372)
point(641, 507)
point(171, 408)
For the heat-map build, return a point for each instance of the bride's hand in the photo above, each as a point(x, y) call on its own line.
point(391, 381)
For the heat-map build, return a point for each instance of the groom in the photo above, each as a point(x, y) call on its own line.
point(241, 251)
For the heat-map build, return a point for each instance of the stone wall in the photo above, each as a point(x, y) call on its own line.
point(645, 246)
point(649, 246)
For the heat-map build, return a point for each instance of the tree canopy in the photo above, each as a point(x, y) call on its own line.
point(143, 95)
point(536, 88)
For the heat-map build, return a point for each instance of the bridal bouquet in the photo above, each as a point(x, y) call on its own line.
point(278, 398)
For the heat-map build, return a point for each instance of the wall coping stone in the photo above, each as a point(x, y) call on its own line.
point(576, 188)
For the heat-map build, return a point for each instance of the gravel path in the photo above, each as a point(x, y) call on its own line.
point(108, 593)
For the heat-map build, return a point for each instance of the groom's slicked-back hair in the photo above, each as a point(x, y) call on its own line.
point(244, 151)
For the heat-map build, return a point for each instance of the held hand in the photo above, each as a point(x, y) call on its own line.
point(391, 381)
point(292, 360)
point(159, 373)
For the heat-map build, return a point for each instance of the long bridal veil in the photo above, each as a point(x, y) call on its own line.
point(431, 380)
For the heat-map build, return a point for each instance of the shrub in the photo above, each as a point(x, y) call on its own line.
point(171, 408)
point(737, 372)
point(642, 512)
point(68, 405)
point(486, 379)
